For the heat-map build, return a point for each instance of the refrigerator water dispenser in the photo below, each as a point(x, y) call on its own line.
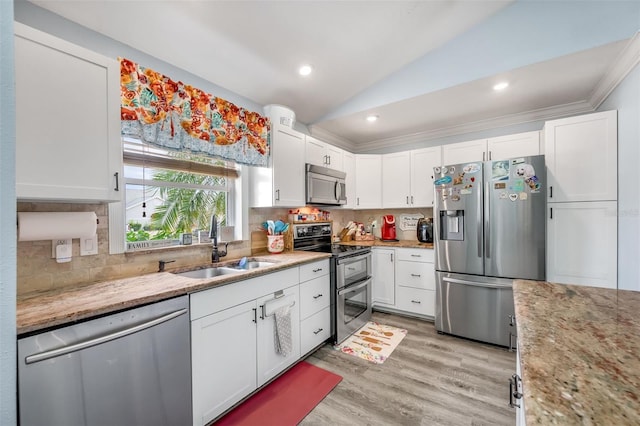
point(452, 225)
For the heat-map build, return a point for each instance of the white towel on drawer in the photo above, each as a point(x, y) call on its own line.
point(283, 341)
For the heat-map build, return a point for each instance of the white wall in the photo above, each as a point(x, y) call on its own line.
point(7, 221)
point(626, 99)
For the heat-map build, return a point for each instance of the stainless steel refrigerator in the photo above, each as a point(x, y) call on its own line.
point(489, 229)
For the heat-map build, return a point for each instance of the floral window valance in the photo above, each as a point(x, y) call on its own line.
point(176, 116)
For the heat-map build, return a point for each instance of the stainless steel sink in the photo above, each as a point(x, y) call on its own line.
point(209, 272)
point(252, 264)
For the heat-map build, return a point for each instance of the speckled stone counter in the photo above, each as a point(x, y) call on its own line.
point(55, 308)
point(399, 244)
point(579, 353)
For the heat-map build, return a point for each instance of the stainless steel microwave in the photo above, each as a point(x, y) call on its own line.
point(325, 186)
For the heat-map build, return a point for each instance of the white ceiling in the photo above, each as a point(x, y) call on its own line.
point(253, 48)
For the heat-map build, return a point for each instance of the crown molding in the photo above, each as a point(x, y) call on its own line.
point(622, 66)
point(331, 138)
point(558, 111)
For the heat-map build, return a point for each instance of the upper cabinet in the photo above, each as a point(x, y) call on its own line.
point(407, 177)
point(323, 154)
point(498, 148)
point(68, 144)
point(581, 157)
point(368, 181)
point(282, 184)
point(349, 161)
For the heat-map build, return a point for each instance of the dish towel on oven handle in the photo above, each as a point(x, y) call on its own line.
point(283, 341)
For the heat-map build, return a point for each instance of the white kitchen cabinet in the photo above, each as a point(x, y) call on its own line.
point(383, 271)
point(368, 181)
point(497, 148)
point(269, 361)
point(223, 358)
point(68, 144)
point(233, 346)
point(415, 281)
point(282, 184)
point(349, 166)
point(582, 243)
point(315, 300)
point(581, 157)
point(511, 146)
point(323, 154)
point(407, 177)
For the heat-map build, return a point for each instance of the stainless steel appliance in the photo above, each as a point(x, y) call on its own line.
point(425, 230)
point(351, 283)
point(132, 367)
point(489, 228)
point(325, 186)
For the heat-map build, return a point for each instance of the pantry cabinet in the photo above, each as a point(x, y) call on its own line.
point(368, 181)
point(68, 144)
point(323, 154)
point(407, 177)
point(498, 148)
point(581, 154)
point(282, 184)
point(383, 271)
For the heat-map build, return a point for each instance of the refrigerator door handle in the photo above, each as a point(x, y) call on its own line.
point(487, 235)
point(474, 283)
point(479, 223)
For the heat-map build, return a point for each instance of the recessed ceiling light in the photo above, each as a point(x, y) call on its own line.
point(501, 86)
point(372, 118)
point(305, 70)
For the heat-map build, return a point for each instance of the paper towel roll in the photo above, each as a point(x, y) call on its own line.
point(34, 226)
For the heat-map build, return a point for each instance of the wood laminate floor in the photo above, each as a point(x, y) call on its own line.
point(430, 379)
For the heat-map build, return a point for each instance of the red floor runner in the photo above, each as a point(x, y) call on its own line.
point(286, 400)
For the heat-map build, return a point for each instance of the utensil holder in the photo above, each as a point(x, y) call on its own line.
point(275, 243)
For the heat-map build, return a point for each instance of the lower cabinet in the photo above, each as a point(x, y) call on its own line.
point(315, 301)
point(383, 270)
point(233, 340)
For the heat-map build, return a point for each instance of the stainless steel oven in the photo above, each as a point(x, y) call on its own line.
point(351, 285)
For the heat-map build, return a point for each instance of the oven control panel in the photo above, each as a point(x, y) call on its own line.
point(312, 230)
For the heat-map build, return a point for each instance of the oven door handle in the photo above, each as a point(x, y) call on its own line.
point(353, 288)
point(348, 260)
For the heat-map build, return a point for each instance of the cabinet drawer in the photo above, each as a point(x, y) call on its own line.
point(313, 270)
point(415, 275)
point(315, 330)
point(415, 300)
point(415, 255)
point(314, 296)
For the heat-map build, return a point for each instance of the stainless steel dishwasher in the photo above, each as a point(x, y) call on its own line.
point(128, 368)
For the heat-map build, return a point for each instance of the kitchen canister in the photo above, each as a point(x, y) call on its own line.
point(275, 243)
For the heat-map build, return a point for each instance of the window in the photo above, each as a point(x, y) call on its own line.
point(170, 193)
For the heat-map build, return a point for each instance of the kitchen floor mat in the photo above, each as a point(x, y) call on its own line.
point(373, 342)
point(286, 400)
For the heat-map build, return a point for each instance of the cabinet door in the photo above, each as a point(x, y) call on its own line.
point(422, 163)
point(315, 330)
point(349, 167)
point(396, 179)
point(582, 243)
point(315, 152)
point(581, 157)
point(223, 359)
point(288, 167)
point(511, 146)
point(270, 362)
point(464, 152)
point(68, 144)
point(335, 156)
point(368, 182)
point(416, 301)
point(383, 271)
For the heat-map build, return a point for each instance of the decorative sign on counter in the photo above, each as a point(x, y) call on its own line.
point(409, 222)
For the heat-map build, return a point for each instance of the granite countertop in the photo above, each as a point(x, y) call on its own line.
point(54, 308)
point(579, 353)
point(399, 244)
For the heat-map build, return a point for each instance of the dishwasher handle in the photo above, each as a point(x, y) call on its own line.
point(102, 339)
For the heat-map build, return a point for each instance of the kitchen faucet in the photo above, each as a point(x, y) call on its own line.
point(213, 234)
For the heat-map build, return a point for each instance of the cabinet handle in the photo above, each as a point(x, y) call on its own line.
point(116, 175)
point(512, 347)
point(317, 270)
point(318, 331)
point(551, 191)
point(416, 301)
point(550, 212)
point(262, 312)
point(415, 275)
point(407, 199)
point(416, 255)
point(392, 257)
point(513, 391)
point(357, 201)
point(277, 195)
point(489, 155)
point(329, 160)
point(483, 156)
point(318, 296)
point(255, 315)
point(412, 199)
point(512, 320)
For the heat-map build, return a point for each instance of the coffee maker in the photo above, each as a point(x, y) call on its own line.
point(388, 231)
